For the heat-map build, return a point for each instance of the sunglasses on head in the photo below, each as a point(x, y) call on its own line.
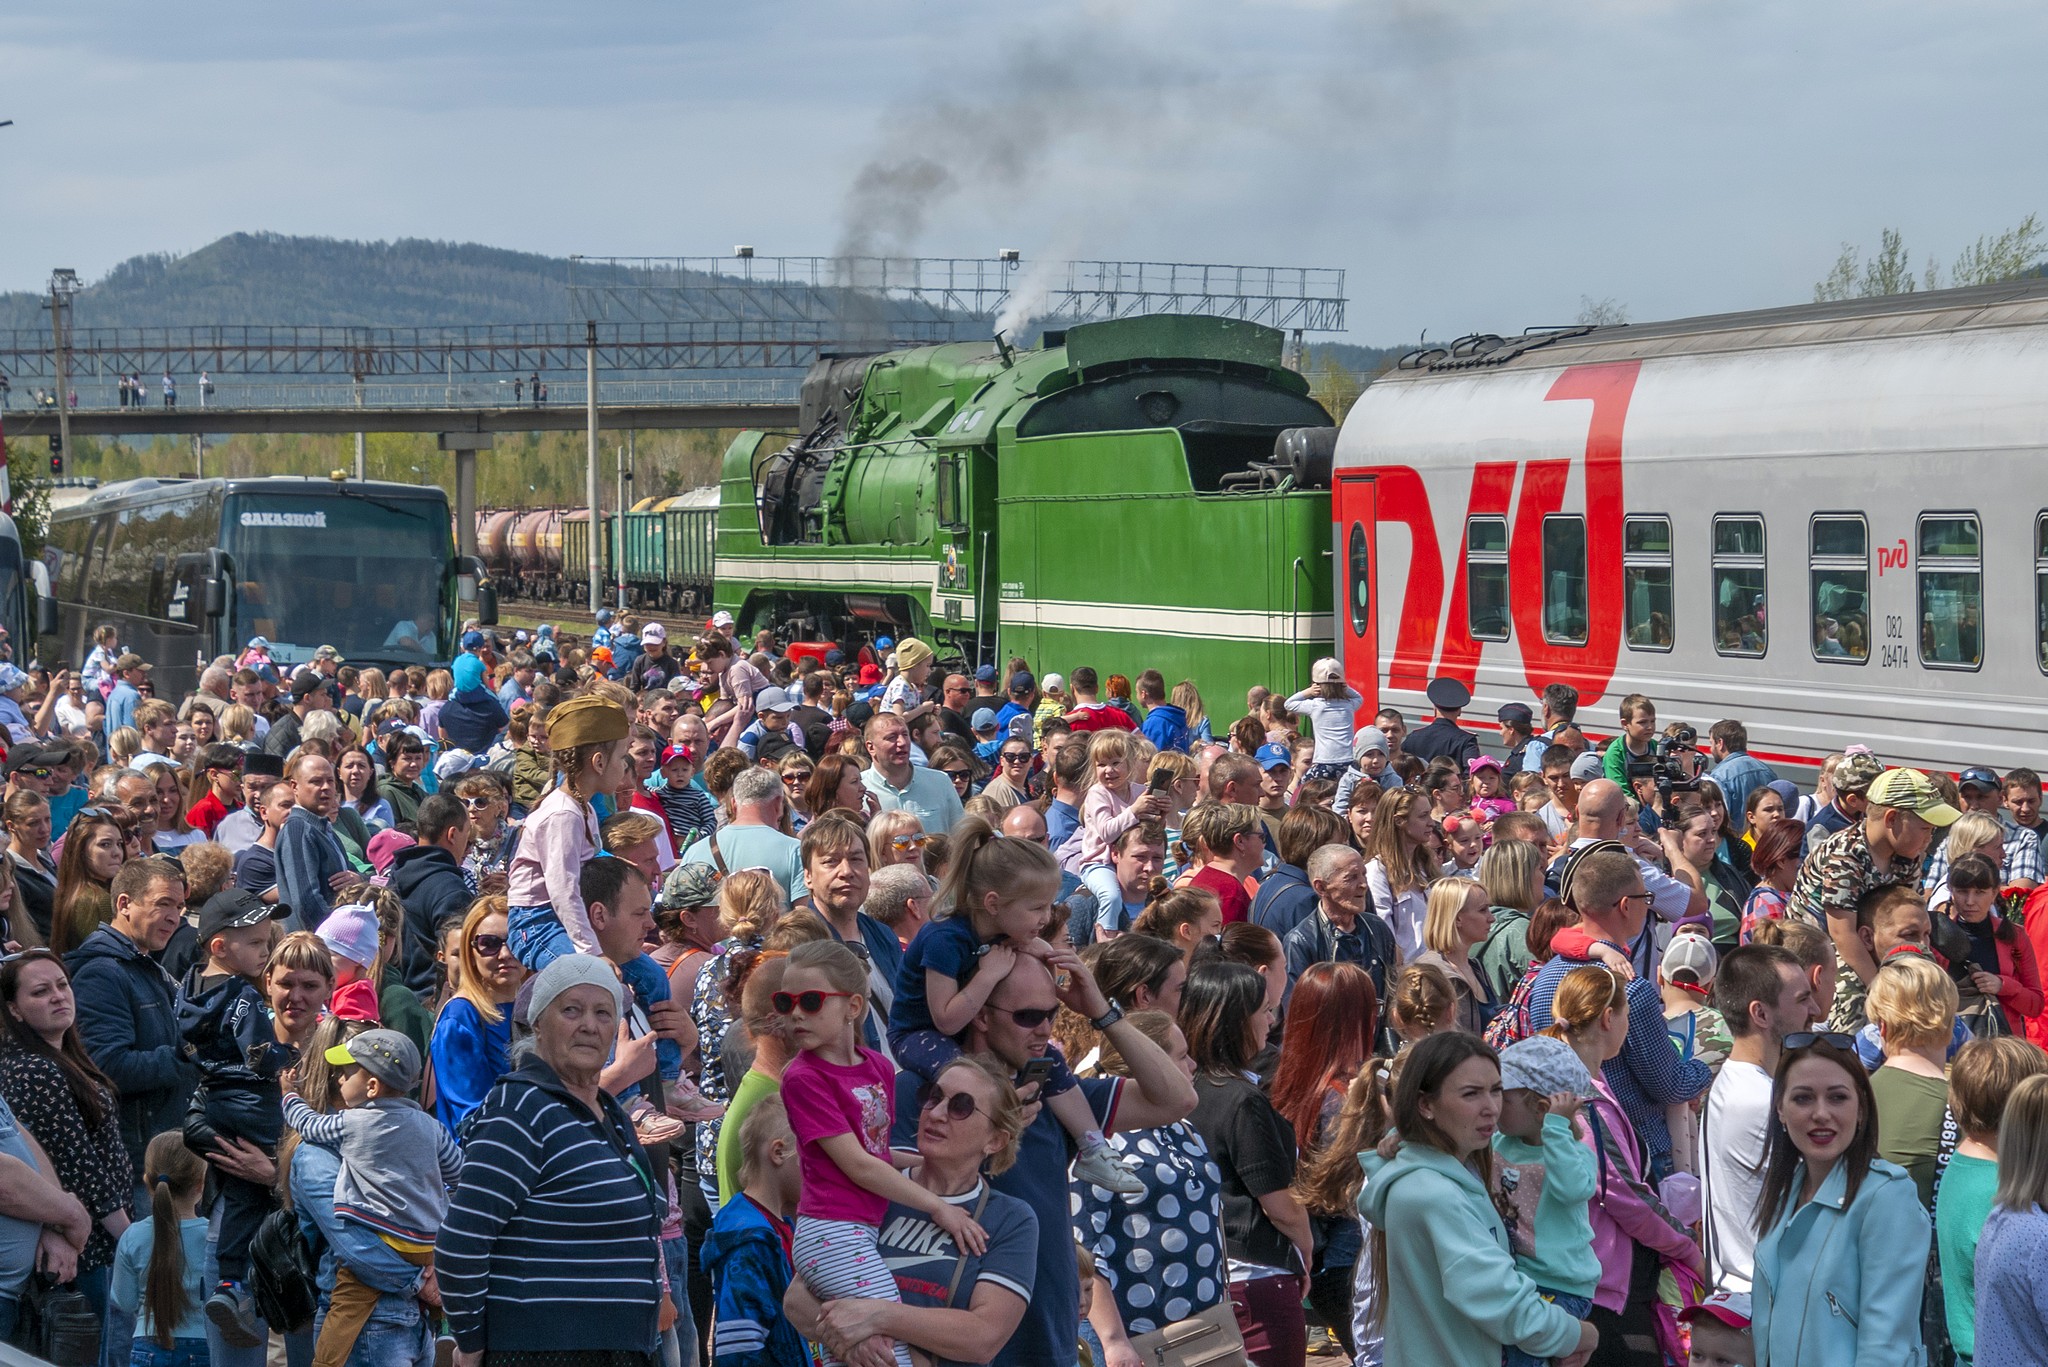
point(958, 1105)
point(1030, 1017)
point(1800, 1039)
point(809, 1002)
point(907, 843)
point(487, 946)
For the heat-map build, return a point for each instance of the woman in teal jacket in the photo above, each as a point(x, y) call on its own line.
point(1842, 1257)
point(1451, 1295)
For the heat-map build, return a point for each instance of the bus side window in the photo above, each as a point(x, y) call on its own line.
point(120, 574)
point(1486, 578)
point(1564, 580)
point(1646, 581)
point(1839, 579)
point(1951, 580)
point(1741, 615)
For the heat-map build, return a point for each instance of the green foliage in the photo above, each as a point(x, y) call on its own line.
point(1336, 387)
point(2010, 254)
point(1988, 260)
point(31, 491)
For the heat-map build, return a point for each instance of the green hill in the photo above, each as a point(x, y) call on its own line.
point(270, 278)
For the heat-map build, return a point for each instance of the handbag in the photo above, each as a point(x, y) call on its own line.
point(1210, 1339)
point(283, 1274)
point(58, 1324)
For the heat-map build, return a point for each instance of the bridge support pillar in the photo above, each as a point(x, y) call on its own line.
point(465, 445)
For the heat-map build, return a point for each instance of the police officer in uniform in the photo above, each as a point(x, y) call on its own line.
point(1517, 723)
point(1444, 738)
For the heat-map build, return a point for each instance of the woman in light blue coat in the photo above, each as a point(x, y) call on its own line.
point(1841, 1260)
point(1450, 1293)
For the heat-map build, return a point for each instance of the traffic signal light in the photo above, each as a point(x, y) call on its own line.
point(56, 454)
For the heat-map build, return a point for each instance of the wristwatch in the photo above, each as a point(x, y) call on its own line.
point(1108, 1018)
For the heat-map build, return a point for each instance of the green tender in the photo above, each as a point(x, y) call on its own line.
point(1086, 502)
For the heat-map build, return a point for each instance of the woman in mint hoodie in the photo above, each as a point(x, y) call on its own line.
point(1842, 1256)
point(1452, 1295)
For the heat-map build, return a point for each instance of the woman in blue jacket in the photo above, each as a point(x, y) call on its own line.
point(1451, 1295)
point(1841, 1260)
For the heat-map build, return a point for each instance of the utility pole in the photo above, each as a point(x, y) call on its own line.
point(619, 535)
point(63, 285)
point(590, 464)
point(360, 475)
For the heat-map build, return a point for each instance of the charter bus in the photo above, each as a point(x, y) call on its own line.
point(190, 569)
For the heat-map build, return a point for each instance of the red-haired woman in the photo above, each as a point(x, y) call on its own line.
point(1332, 1018)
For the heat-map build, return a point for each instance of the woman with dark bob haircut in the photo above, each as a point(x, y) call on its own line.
point(1226, 1016)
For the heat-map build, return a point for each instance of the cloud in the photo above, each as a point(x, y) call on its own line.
point(1481, 165)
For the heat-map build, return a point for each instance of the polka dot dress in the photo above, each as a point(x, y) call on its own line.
point(1161, 1250)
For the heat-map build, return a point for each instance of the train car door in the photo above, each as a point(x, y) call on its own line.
point(1355, 536)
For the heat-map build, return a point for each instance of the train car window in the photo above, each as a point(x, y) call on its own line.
point(1741, 619)
point(1564, 580)
point(1486, 578)
point(1951, 591)
point(1646, 581)
point(2041, 591)
point(1839, 580)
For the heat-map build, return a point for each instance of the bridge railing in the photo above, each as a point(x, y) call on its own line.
point(234, 394)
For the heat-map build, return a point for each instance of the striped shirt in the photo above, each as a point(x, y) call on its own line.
point(553, 1239)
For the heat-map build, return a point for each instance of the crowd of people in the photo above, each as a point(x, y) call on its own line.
point(619, 1000)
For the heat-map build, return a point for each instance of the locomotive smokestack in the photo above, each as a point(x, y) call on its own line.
point(1009, 355)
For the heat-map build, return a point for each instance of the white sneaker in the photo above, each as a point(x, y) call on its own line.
point(1099, 1166)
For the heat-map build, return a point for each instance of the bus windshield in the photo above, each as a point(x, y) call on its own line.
point(362, 573)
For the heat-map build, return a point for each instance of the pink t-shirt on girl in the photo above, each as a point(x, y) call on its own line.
point(823, 1100)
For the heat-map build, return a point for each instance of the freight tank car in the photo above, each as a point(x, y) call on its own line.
point(1145, 492)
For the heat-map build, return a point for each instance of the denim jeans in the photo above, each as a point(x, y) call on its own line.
point(181, 1353)
point(650, 985)
point(679, 1345)
point(537, 936)
point(386, 1341)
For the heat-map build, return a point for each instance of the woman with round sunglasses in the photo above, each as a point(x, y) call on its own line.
point(954, 1307)
point(487, 798)
point(472, 1042)
point(895, 837)
point(795, 771)
point(1841, 1260)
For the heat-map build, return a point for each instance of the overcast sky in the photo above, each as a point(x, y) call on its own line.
point(1475, 165)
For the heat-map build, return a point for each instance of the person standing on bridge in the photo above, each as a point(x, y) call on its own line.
point(533, 387)
point(170, 391)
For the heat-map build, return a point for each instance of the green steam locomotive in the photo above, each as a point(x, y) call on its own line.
point(1142, 492)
